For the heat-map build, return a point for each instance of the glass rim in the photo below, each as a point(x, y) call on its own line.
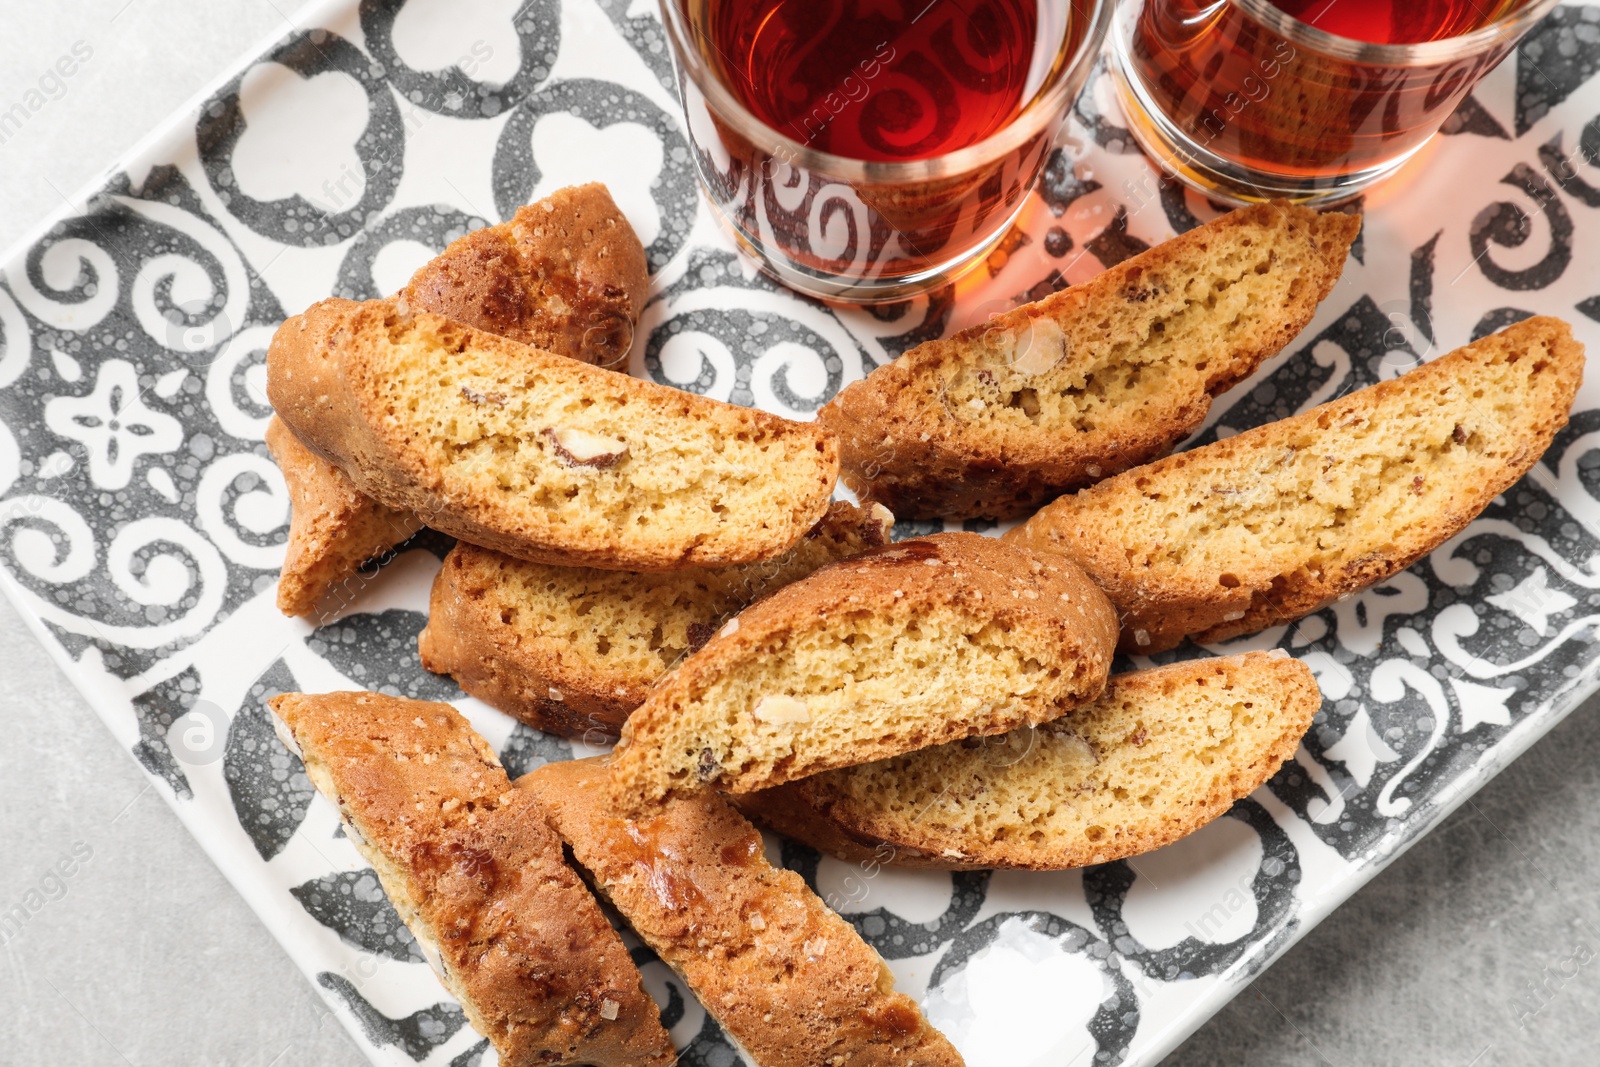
point(1049, 104)
point(1511, 24)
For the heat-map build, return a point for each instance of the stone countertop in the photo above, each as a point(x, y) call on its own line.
point(1472, 949)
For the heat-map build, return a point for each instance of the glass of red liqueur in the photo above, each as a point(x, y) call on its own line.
point(869, 150)
point(1308, 100)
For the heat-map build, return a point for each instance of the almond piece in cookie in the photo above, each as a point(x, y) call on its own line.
point(578, 447)
point(910, 645)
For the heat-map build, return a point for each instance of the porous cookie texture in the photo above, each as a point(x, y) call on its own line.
point(573, 650)
point(566, 274)
point(1161, 753)
point(473, 868)
point(910, 645)
point(786, 977)
point(1057, 394)
point(333, 528)
point(1272, 524)
point(538, 456)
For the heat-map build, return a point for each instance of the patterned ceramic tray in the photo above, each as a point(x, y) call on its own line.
point(142, 524)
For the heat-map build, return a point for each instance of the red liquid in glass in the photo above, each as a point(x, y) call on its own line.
point(1240, 91)
point(1395, 21)
point(878, 80)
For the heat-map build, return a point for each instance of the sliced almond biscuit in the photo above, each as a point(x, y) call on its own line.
point(913, 644)
point(573, 650)
point(476, 873)
point(539, 456)
point(1161, 753)
point(1271, 524)
point(566, 274)
point(1057, 394)
point(789, 980)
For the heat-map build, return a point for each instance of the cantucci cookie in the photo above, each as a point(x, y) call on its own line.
point(1272, 524)
point(538, 456)
point(573, 650)
point(913, 644)
point(1161, 753)
point(788, 979)
point(1057, 394)
point(474, 870)
point(566, 274)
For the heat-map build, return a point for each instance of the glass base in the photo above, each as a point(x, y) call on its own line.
point(1223, 179)
point(871, 290)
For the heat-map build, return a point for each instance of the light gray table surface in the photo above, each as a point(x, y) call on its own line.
point(1472, 949)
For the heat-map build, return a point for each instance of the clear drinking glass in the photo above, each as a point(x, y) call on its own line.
point(1245, 102)
point(870, 231)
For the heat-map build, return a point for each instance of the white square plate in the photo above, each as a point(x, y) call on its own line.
point(142, 522)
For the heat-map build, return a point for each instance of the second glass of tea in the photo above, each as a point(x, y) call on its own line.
point(868, 150)
point(1308, 100)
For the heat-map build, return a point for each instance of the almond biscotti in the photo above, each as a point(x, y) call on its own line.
point(573, 650)
point(787, 978)
point(476, 873)
point(566, 274)
point(1057, 394)
point(910, 645)
point(538, 456)
point(1161, 753)
point(1272, 524)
